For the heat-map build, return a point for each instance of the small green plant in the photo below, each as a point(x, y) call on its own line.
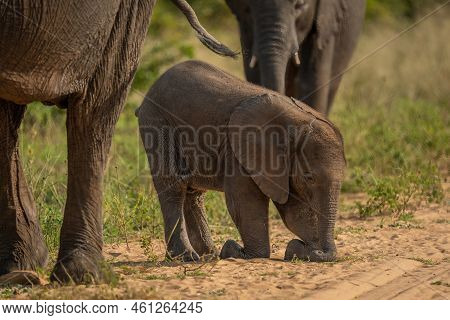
point(440, 283)
point(297, 260)
point(407, 217)
point(395, 195)
point(348, 258)
point(147, 245)
point(11, 292)
point(350, 229)
point(218, 292)
point(109, 276)
point(157, 277)
point(195, 273)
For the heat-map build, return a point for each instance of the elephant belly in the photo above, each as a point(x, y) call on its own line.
point(206, 173)
point(206, 183)
point(50, 49)
point(205, 170)
point(24, 88)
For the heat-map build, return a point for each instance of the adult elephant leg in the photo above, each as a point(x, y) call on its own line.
point(291, 75)
point(196, 223)
point(22, 246)
point(249, 209)
point(90, 126)
point(334, 86)
point(91, 117)
point(314, 76)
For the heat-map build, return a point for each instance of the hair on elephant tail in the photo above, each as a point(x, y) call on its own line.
point(136, 112)
point(207, 39)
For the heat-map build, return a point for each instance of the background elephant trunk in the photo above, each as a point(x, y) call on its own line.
point(274, 51)
point(207, 39)
point(273, 70)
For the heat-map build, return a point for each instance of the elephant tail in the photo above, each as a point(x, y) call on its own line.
point(136, 112)
point(207, 39)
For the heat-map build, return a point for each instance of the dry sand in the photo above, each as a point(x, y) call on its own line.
point(378, 259)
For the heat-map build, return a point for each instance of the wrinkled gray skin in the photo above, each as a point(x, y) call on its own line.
point(322, 32)
point(195, 95)
point(80, 55)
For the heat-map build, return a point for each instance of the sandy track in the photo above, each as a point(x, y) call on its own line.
point(393, 262)
point(378, 259)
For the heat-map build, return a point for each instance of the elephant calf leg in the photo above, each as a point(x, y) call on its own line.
point(22, 246)
point(249, 208)
point(172, 198)
point(196, 224)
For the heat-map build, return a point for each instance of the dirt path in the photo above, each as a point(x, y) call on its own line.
point(393, 262)
point(377, 260)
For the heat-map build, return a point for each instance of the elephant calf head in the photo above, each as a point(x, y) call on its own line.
point(297, 161)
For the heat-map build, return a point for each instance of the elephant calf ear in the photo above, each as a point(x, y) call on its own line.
point(259, 141)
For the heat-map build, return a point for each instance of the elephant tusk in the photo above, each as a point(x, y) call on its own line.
point(297, 59)
point(253, 62)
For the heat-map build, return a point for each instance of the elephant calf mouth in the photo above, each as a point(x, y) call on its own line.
point(298, 249)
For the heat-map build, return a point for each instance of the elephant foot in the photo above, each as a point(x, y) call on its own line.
point(232, 249)
point(23, 277)
point(80, 267)
point(297, 249)
point(23, 257)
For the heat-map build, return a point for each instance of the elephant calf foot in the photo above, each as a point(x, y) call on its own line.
point(300, 250)
point(232, 249)
point(80, 267)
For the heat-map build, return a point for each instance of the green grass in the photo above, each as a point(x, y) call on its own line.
point(350, 230)
point(393, 113)
point(396, 194)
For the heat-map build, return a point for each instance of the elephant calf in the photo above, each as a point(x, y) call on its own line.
point(203, 130)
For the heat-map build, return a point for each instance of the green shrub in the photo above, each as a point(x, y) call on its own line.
point(394, 195)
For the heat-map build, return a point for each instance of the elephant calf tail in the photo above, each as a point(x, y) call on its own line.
point(207, 39)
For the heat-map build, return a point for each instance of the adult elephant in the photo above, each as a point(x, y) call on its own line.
point(299, 47)
point(80, 55)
